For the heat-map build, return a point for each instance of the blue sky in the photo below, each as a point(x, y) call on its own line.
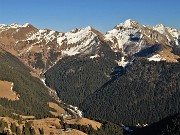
point(103, 15)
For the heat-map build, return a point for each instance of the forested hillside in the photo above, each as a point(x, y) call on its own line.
point(128, 76)
point(147, 92)
point(33, 94)
point(167, 126)
point(77, 77)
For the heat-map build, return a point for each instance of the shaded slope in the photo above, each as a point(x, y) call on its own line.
point(33, 94)
point(167, 126)
point(78, 76)
point(147, 92)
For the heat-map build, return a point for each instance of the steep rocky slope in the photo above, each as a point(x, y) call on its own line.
point(131, 38)
point(41, 49)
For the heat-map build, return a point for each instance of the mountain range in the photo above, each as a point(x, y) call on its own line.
point(40, 49)
point(128, 75)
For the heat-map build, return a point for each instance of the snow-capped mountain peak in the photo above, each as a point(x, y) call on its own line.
point(48, 46)
point(160, 28)
point(79, 40)
point(129, 38)
point(123, 34)
point(129, 23)
point(171, 33)
point(88, 28)
point(174, 32)
point(26, 25)
point(4, 27)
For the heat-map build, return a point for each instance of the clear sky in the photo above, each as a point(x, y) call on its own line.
point(103, 15)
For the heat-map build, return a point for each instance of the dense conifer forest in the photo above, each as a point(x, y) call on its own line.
point(144, 93)
point(167, 126)
point(33, 94)
point(77, 77)
point(147, 92)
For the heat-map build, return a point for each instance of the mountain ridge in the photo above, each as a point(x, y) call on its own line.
point(84, 64)
point(35, 47)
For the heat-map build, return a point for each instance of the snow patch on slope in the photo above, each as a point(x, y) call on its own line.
point(94, 56)
point(160, 28)
point(71, 51)
point(74, 37)
point(156, 57)
point(75, 110)
point(41, 35)
point(123, 62)
point(122, 36)
point(12, 85)
point(4, 27)
point(175, 34)
point(79, 40)
point(168, 32)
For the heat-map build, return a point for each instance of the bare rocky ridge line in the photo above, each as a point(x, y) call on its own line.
point(41, 49)
point(130, 38)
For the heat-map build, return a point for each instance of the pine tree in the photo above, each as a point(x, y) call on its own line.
point(18, 130)
point(41, 131)
point(32, 131)
point(13, 127)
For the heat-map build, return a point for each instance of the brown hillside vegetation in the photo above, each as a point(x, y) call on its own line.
point(24, 117)
point(27, 117)
point(85, 122)
point(59, 110)
point(49, 126)
point(52, 126)
point(168, 55)
point(6, 91)
point(73, 132)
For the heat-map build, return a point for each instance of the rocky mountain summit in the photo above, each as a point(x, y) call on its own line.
point(41, 49)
